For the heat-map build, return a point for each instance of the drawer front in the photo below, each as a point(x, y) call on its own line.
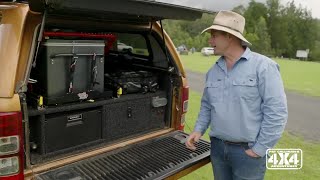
point(72, 129)
point(131, 117)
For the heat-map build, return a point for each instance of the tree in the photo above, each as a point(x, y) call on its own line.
point(195, 28)
point(315, 51)
point(239, 9)
point(273, 29)
point(301, 29)
point(253, 13)
point(263, 43)
point(277, 27)
point(188, 33)
point(174, 29)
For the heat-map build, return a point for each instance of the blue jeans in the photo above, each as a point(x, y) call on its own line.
point(230, 162)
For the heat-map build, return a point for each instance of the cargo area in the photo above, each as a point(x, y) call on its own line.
point(90, 89)
point(87, 84)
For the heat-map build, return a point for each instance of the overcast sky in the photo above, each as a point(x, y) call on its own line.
point(216, 5)
point(313, 5)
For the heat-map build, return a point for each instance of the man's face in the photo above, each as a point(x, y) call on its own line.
point(219, 41)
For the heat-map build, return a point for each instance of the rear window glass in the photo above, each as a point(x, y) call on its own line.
point(135, 43)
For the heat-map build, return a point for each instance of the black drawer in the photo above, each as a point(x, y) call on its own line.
point(71, 129)
point(132, 117)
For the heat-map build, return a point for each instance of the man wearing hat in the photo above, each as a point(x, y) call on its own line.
point(244, 103)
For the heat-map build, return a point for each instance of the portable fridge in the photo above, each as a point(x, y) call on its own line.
point(71, 70)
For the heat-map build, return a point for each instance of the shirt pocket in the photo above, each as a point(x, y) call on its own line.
point(214, 91)
point(246, 88)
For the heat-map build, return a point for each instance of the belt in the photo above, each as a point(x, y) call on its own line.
point(230, 142)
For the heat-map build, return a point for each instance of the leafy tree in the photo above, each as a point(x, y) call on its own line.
point(277, 27)
point(253, 39)
point(239, 9)
point(195, 28)
point(174, 30)
point(263, 41)
point(272, 28)
point(188, 33)
point(253, 14)
point(315, 51)
point(301, 29)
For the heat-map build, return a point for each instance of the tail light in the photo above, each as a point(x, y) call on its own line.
point(184, 105)
point(11, 146)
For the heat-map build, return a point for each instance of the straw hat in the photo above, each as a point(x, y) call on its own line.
point(229, 22)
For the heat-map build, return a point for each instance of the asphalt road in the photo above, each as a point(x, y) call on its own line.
point(304, 111)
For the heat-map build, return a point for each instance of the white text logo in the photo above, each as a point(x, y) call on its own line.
point(284, 159)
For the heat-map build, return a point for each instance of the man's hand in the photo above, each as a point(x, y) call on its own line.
point(194, 137)
point(250, 153)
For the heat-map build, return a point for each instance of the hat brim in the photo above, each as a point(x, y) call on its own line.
point(245, 42)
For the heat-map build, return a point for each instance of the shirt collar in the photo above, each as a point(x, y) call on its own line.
point(246, 54)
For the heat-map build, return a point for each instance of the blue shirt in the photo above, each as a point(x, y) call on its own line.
point(246, 103)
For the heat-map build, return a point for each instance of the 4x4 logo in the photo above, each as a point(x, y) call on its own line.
point(284, 159)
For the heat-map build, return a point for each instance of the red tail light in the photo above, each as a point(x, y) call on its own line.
point(185, 98)
point(11, 146)
point(184, 105)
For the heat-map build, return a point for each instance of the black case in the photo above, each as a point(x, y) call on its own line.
point(68, 130)
point(55, 70)
point(132, 81)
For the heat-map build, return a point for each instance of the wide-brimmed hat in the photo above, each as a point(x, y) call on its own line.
point(229, 22)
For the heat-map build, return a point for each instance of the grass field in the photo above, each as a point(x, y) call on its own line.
point(299, 76)
point(311, 152)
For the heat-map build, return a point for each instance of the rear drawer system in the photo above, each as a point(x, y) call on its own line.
point(68, 129)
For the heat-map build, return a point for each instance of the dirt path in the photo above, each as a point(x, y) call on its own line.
point(304, 111)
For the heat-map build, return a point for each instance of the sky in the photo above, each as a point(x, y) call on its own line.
point(216, 5)
point(313, 5)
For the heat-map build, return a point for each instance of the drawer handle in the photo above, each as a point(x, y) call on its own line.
point(75, 117)
point(129, 112)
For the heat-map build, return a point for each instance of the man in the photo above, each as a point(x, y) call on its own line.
point(244, 103)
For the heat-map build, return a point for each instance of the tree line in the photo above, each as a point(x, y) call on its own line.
point(273, 29)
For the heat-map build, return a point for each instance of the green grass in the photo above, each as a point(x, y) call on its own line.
point(197, 62)
point(311, 152)
point(299, 76)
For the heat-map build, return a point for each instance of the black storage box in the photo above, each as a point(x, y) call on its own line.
point(71, 129)
point(70, 70)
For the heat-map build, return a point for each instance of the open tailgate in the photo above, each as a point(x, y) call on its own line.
point(156, 158)
point(138, 10)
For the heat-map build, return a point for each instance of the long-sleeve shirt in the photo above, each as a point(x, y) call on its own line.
point(246, 103)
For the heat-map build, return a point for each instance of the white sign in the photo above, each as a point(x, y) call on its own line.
point(302, 54)
point(289, 159)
